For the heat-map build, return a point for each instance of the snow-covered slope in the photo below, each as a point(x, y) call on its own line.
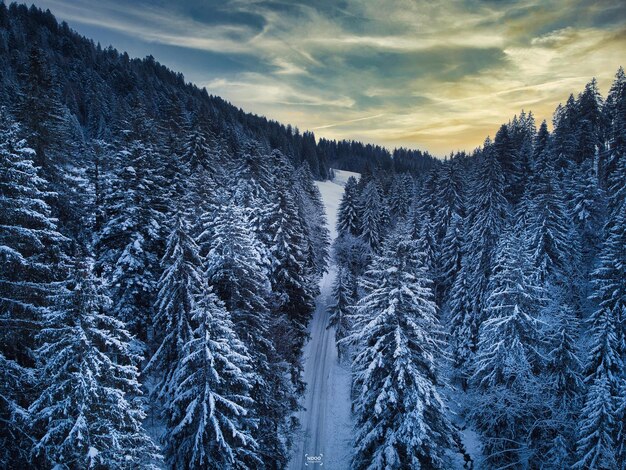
point(326, 427)
point(332, 191)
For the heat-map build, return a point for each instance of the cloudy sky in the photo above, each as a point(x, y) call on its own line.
point(434, 74)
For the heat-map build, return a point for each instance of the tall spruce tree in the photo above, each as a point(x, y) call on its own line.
point(311, 209)
point(237, 270)
point(209, 425)
point(509, 358)
point(87, 415)
point(290, 280)
point(370, 212)
point(597, 445)
point(31, 259)
point(401, 421)
point(127, 247)
point(340, 309)
point(180, 282)
point(348, 212)
point(487, 213)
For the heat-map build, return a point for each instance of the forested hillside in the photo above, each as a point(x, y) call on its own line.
point(159, 258)
point(497, 282)
point(161, 253)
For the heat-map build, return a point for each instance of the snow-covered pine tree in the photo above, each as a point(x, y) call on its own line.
point(311, 210)
point(555, 437)
point(609, 278)
point(209, 425)
point(621, 423)
point(550, 236)
point(370, 214)
point(180, 282)
point(463, 324)
point(291, 282)
point(589, 124)
point(400, 196)
point(563, 363)
point(597, 443)
point(200, 149)
point(87, 415)
point(348, 213)
point(586, 201)
point(237, 270)
point(509, 159)
point(596, 427)
point(31, 257)
point(401, 421)
point(340, 309)
point(427, 248)
point(487, 212)
point(354, 254)
point(564, 136)
point(450, 255)
point(612, 164)
point(449, 197)
point(509, 357)
point(42, 114)
point(256, 203)
point(127, 246)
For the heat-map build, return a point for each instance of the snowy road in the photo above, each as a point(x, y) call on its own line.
point(325, 436)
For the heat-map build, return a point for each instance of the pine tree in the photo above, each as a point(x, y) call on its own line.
point(370, 214)
point(450, 195)
point(508, 157)
point(554, 437)
point(180, 282)
point(509, 357)
point(400, 196)
point(237, 270)
point(564, 365)
point(596, 446)
point(451, 255)
point(208, 422)
point(31, 258)
point(586, 201)
point(597, 443)
point(311, 209)
point(340, 310)
point(462, 321)
point(86, 415)
point(354, 254)
point(612, 164)
point(128, 245)
point(427, 246)
point(565, 133)
point(348, 212)
point(401, 420)
point(590, 123)
point(487, 212)
point(621, 425)
point(200, 150)
point(294, 289)
point(550, 236)
point(609, 279)
point(42, 113)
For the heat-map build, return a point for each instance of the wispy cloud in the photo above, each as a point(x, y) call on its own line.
point(341, 123)
point(441, 74)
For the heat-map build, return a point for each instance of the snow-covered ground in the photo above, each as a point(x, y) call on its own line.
point(325, 436)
